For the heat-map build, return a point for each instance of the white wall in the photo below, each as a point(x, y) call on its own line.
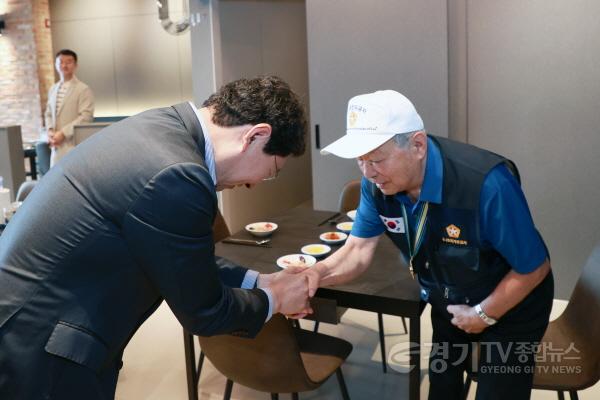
point(125, 56)
point(532, 93)
point(243, 39)
point(266, 37)
point(357, 46)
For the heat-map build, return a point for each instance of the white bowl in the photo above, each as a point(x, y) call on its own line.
point(302, 260)
point(333, 237)
point(351, 214)
point(344, 226)
point(261, 229)
point(315, 250)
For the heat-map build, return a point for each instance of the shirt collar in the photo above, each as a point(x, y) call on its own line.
point(72, 80)
point(209, 153)
point(431, 190)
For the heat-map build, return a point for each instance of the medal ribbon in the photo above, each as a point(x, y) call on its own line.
point(413, 248)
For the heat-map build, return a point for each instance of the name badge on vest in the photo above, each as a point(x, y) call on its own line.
point(393, 224)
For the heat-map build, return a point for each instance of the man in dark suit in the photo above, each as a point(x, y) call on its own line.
point(124, 222)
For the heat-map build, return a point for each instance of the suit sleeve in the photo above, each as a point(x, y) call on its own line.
point(169, 232)
point(230, 273)
point(85, 111)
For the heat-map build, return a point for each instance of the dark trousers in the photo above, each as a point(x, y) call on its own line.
point(74, 381)
point(505, 364)
point(56, 378)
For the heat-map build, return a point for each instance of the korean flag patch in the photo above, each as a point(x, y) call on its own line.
point(393, 224)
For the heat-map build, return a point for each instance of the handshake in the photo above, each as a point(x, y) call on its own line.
point(292, 289)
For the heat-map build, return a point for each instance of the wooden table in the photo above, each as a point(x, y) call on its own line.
point(385, 287)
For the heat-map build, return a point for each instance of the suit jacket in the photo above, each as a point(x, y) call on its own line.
point(77, 107)
point(122, 223)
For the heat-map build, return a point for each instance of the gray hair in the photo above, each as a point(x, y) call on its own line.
point(402, 139)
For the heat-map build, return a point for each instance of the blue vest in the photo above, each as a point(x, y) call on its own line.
point(452, 265)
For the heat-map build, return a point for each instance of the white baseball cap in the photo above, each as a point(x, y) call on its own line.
point(372, 120)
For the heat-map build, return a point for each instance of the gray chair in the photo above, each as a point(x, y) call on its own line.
point(42, 151)
point(82, 132)
point(24, 190)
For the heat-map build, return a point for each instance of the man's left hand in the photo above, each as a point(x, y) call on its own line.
point(466, 318)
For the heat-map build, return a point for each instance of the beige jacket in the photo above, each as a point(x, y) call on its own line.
point(77, 107)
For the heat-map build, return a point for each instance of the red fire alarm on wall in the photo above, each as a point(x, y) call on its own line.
point(47, 22)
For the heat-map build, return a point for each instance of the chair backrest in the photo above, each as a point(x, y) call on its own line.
point(582, 315)
point(24, 190)
point(271, 362)
point(42, 151)
point(115, 118)
point(350, 196)
point(82, 132)
point(12, 167)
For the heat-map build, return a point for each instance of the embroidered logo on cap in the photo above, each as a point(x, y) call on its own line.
point(352, 118)
point(393, 224)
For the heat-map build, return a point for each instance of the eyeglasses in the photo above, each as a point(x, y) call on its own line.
point(274, 176)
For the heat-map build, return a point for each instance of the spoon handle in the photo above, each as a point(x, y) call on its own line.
point(246, 242)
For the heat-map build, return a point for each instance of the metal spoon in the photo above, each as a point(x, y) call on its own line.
point(248, 242)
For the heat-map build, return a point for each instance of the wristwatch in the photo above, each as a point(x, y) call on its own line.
point(488, 320)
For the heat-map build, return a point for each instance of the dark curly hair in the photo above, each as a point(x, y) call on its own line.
point(266, 99)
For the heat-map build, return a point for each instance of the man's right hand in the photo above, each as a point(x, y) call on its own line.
point(58, 138)
point(313, 275)
point(51, 137)
point(290, 294)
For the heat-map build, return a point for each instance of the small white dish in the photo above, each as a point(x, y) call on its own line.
point(315, 250)
point(261, 229)
point(333, 237)
point(301, 260)
point(351, 214)
point(345, 226)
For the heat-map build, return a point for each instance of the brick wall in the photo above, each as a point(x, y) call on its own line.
point(20, 100)
point(45, 54)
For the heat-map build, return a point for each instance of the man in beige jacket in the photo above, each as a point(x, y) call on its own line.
point(70, 102)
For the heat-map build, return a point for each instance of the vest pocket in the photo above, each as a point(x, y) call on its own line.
point(458, 256)
point(457, 265)
point(78, 345)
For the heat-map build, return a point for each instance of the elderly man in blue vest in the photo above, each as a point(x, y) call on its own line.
point(460, 220)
